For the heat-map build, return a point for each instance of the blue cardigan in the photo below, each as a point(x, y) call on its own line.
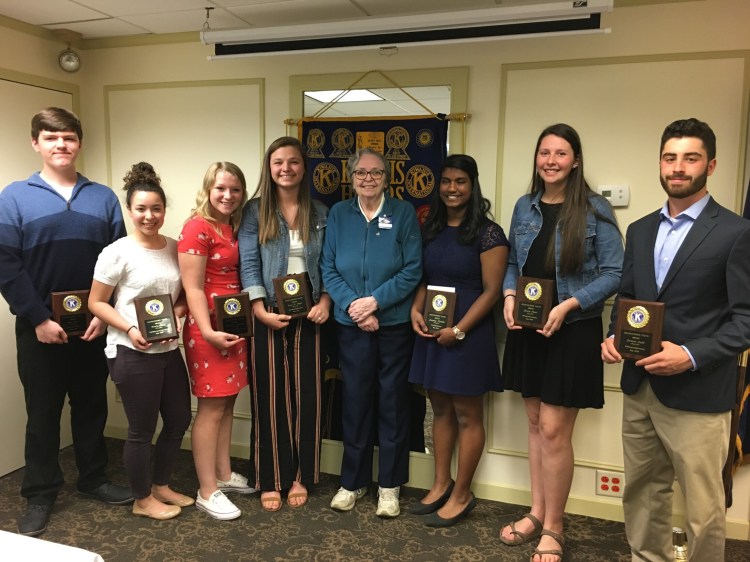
point(50, 244)
point(362, 259)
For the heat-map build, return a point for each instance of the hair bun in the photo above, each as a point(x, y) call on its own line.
point(144, 167)
point(141, 174)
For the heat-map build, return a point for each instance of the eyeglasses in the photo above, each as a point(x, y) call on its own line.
point(374, 174)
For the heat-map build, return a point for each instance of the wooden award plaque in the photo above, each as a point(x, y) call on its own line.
point(439, 306)
point(293, 295)
point(533, 301)
point(156, 320)
point(639, 327)
point(70, 309)
point(233, 314)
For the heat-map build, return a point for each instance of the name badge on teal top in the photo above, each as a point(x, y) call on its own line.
point(385, 222)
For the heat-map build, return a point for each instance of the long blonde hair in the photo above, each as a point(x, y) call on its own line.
point(203, 201)
point(268, 221)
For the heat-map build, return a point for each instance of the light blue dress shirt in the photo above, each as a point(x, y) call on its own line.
point(669, 238)
point(671, 235)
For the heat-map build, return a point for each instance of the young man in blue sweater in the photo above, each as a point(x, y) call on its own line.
point(52, 227)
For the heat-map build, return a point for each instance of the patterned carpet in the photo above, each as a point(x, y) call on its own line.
point(312, 533)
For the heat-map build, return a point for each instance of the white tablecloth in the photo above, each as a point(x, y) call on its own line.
point(17, 548)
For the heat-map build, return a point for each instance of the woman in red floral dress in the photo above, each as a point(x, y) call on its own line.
point(217, 361)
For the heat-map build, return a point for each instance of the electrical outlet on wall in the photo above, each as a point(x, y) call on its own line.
point(609, 483)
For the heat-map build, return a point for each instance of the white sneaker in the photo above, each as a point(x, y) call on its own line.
point(344, 499)
point(388, 502)
point(236, 483)
point(217, 506)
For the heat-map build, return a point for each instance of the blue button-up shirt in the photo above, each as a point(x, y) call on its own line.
point(671, 235)
point(669, 238)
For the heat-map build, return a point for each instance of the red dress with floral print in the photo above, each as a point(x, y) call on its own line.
point(213, 373)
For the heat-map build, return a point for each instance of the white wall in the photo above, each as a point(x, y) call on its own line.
point(666, 36)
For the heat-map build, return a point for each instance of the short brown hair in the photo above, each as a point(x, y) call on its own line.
point(55, 119)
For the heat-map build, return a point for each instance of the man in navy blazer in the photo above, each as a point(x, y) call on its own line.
point(693, 255)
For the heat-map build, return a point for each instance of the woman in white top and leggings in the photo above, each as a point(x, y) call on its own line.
point(151, 377)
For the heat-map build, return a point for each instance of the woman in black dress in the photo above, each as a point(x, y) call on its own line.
point(565, 232)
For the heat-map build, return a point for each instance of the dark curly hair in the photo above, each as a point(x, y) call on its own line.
point(142, 177)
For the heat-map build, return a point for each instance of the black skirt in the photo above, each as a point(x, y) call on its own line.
point(563, 370)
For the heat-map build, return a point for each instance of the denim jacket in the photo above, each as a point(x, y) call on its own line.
point(602, 266)
point(260, 263)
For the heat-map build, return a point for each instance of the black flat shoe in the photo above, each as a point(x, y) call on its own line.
point(434, 520)
point(420, 508)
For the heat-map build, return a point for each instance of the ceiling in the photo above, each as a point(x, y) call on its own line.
point(112, 18)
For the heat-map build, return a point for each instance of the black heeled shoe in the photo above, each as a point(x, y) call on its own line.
point(434, 520)
point(420, 508)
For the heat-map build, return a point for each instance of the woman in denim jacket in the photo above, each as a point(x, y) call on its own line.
point(282, 233)
point(561, 231)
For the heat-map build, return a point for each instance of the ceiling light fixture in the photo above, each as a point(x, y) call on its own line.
point(68, 59)
point(326, 96)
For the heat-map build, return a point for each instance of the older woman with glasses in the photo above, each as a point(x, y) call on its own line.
point(371, 266)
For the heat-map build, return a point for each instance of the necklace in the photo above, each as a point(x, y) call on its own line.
point(290, 213)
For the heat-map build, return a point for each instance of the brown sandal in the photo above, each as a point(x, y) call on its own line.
point(518, 536)
point(554, 552)
point(269, 500)
point(300, 494)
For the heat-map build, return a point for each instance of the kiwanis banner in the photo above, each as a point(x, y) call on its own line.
point(414, 146)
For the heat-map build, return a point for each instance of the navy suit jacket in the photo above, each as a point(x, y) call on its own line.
point(706, 294)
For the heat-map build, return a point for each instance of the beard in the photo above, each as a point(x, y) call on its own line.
point(686, 190)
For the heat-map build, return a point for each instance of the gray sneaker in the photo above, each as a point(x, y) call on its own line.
point(388, 502)
point(34, 520)
point(344, 499)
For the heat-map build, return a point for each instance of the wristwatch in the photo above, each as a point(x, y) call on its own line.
point(458, 333)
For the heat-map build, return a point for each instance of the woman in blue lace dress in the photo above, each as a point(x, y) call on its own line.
point(466, 250)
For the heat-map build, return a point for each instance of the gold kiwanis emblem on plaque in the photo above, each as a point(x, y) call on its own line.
point(425, 138)
point(439, 302)
point(397, 140)
point(638, 317)
point(326, 178)
point(291, 287)
point(154, 307)
point(232, 306)
point(420, 181)
point(315, 140)
point(342, 140)
point(72, 303)
point(533, 291)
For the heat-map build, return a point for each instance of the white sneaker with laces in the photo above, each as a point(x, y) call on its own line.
point(388, 502)
point(344, 499)
point(236, 483)
point(217, 506)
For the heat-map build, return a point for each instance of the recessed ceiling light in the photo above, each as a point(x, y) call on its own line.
point(326, 96)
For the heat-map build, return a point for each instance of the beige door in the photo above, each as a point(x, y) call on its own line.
point(18, 103)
